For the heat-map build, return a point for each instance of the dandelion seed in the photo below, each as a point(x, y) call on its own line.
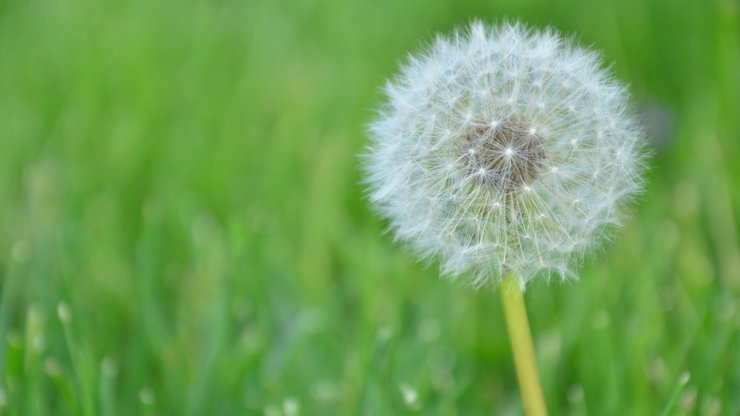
point(467, 184)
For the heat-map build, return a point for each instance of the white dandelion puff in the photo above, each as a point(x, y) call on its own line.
point(504, 150)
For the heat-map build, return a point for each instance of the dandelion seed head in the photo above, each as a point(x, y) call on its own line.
point(504, 150)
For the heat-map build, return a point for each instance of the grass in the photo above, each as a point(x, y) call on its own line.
point(183, 230)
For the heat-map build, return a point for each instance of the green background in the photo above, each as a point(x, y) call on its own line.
point(179, 182)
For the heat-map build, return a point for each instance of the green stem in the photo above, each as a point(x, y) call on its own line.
point(521, 344)
point(682, 382)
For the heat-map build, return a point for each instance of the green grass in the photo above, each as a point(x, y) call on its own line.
point(182, 178)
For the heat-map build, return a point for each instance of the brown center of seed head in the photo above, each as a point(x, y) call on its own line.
point(505, 155)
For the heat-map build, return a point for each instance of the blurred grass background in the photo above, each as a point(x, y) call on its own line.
point(183, 231)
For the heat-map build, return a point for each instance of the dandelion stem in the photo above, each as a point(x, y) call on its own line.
point(521, 344)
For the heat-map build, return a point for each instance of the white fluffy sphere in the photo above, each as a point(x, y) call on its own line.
point(503, 150)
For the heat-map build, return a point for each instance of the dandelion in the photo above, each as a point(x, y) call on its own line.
point(506, 153)
point(503, 151)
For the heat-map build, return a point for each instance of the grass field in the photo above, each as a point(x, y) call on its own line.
point(183, 231)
